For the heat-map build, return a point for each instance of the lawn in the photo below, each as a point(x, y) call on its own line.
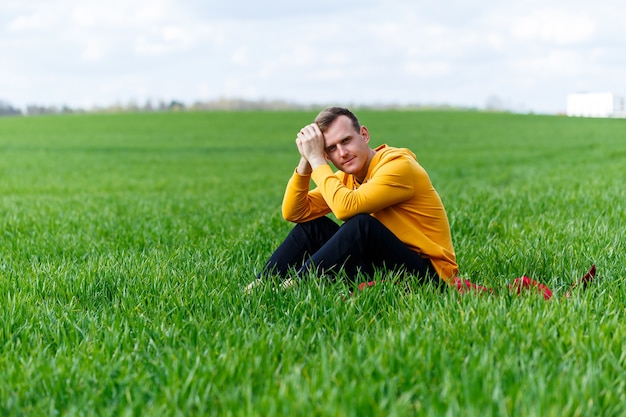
point(126, 240)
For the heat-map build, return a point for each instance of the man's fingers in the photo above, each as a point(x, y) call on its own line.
point(310, 130)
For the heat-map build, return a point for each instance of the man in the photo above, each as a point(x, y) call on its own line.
point(393, 217)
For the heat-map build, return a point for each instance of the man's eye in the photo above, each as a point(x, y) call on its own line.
point(331, 149)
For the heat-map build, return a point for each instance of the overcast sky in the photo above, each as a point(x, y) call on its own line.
point(528, 53)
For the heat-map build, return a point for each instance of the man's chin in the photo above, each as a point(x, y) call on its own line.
point(349, 166)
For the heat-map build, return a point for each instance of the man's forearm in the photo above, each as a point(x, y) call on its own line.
point(304, 168)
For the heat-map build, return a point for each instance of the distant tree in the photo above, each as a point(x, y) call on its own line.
point(176, 105)
point(148, 106)
point(36, 110)
point(7, 109)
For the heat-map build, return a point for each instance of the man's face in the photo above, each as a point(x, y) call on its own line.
point(346, 148)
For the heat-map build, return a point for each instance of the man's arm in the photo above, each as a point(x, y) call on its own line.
point(392, 183)
point(300, 204)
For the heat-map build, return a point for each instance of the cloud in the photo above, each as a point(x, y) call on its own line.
point(94, 50)
point(564, 63)
point(552, 26)
point(427, 69)
point(115, 14)
point(26, 23)
point(166, 39)
point(241, 56)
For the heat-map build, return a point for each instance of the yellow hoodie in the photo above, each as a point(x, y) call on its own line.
point(397, 191)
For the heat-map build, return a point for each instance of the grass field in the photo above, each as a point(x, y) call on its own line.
point(125, 241)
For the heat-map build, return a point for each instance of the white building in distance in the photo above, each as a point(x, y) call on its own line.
point(595, 105)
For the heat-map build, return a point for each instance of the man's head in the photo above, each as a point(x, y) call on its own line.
point(346, 142)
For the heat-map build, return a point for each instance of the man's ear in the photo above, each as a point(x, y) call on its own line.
point(365, 134)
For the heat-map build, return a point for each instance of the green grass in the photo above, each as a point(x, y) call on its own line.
point(125, 241)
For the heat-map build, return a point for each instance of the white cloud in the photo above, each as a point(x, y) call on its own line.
point(164, 40)
point(427, 69)
point(559, 27)
point(94, 51)
point(241, 56)
point(563, 63)
point(330, 74)
point(26, 23)
point(121, 14)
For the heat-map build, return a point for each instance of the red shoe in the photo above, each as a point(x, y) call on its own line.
point(364, 285)
point(526, 284)
point(587, 278)
point(584, 281)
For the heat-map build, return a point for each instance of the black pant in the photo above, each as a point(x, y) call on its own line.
point(362, 244)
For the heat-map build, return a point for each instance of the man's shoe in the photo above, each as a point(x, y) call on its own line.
point(288, 283)
point(284, 285)
point(583, 282)
point(250, 287)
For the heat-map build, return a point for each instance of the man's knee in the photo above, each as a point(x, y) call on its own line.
point(360, 220)
point(362, 225)
point(320, 229)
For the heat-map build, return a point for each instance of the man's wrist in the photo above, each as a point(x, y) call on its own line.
point(304, 168)
point(316, 162)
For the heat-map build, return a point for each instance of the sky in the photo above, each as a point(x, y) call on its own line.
point(525, 55)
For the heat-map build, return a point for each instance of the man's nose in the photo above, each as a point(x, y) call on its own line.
point(342, 150)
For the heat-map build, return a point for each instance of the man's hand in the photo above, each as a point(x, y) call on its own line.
point(310, 142)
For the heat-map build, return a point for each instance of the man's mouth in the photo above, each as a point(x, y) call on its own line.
point(349, 161)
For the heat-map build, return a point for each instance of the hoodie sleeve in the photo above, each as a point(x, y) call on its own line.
point(391, 182)
point(300, 204)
